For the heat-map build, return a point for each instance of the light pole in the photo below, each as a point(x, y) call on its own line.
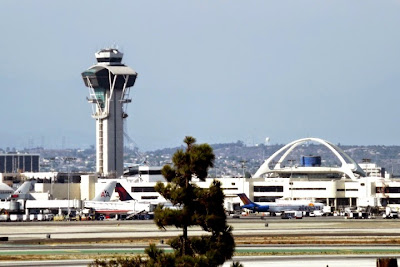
point(51, 160)
point(291, 161)
point(68, 160)
point(291, 190)
point(243, 166)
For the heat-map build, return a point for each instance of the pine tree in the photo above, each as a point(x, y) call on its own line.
point(195, 206)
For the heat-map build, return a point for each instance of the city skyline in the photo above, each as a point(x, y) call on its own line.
point(218, 72)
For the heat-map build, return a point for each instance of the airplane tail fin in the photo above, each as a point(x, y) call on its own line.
point(105, 194)
point(123, 194)
point(23, 190)
point(25, 187)
point(245, 199)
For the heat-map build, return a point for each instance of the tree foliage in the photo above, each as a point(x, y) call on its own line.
point(195, 206)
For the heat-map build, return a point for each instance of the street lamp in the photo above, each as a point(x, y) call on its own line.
point(243, 166)
point(68, 160)
point(51, 160)
point(291, 161)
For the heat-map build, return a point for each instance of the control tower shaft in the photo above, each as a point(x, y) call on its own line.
point(109, 83)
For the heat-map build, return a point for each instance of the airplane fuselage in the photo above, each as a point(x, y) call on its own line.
point(117, 207)
point(277, 207)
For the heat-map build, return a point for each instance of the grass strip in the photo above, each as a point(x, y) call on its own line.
point(241, 251)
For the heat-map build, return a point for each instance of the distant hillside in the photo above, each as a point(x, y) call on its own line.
point(231, 158)
point(236, 158)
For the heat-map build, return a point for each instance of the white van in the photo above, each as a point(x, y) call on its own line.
point(299, 215)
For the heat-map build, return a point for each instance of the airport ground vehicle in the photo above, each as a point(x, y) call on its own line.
point(292, 214)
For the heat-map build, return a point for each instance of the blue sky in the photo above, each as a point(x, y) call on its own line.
point(220, 71)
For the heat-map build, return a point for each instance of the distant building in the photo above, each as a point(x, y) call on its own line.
point(373, 170)
point(17, 163)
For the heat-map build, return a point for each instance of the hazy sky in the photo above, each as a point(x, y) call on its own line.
point(220, 71)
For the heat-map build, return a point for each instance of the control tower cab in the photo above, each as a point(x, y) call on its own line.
point(109, 57)
point(109, 83)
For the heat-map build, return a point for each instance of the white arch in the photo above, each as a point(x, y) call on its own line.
point(348, 168)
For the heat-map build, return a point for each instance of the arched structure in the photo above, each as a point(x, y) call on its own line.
point(349, 167)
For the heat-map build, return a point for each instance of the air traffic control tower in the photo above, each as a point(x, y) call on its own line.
point(109, 83)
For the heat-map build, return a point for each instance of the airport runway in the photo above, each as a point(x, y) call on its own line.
point(246, 261)
point(316, 241)
point(335, 228)
point(81, 249)
point(253, 261)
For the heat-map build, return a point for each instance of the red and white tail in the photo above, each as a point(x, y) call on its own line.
point(245, 199)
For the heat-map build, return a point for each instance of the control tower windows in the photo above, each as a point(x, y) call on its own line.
point(109, 60)
point(100, 96)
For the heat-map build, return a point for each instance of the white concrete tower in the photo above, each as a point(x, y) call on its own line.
point(109, 82)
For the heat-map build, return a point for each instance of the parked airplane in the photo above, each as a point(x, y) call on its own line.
point(101, 204)
point(123, 194)
point(67, 204)
point(105, 194)
point(293, 205)
point(5, 191)
point(22, 192)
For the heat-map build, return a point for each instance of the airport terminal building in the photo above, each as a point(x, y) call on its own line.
point(348, 184)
